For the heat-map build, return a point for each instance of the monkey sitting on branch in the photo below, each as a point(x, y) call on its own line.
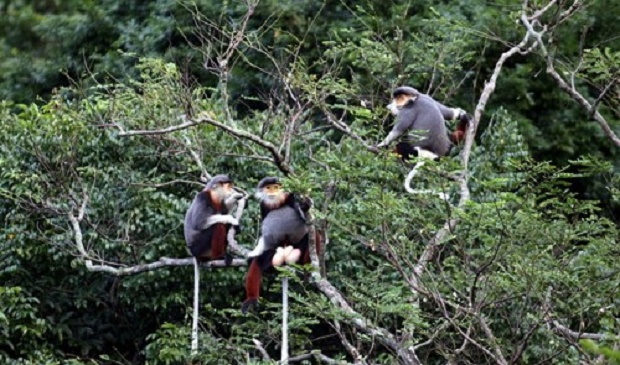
point(207, 222)
point(284, 235)
point(424, 116)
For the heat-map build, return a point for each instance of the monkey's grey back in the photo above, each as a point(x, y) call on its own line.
point(284, 224)
point(427, 117)
point(196, 217)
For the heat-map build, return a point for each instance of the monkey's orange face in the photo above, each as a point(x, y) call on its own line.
point(273, 190)
point(401, 100)
point(272, 195)
point(398, 102)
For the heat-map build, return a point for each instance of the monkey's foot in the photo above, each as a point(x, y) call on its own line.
point(248, 304)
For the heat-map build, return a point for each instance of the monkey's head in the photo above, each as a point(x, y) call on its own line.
point(220, 187)
point(270, 192)
point(401, 96)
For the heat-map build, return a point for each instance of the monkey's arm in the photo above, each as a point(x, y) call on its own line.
point(232, 199)
point(404, 121)
point(220, 218)
point(301, 204)
point(259, 249)
point(305, 203)
point(450, 113)
point(394, 134)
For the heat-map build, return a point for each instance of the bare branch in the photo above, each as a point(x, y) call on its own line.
point(186, 124)
point(319, 356)
point(499, 356)
point(233, 246)
point(565, 331)
point(205, 176)
point(570, 90)
point(540, 12)
point(261, 349)
point(290, 129)
point(523, 345)
point(429, 253)
point(406, 355)
point(359, 359)
point(343, 127)
point(433, 245)
point(239, 35)
point(489, 86)
point(96, 265)
point(224, 61)
point(277, 157)
point(167, 183)
point(602, 96)
point(431, 248)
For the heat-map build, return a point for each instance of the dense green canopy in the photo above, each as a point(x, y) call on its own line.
point(115, 113)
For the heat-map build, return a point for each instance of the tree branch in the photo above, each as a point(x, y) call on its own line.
point(565, 331)
point(122, 270)
point(570, 90)
point(186, 124)
point(318, 356)
point(499, 356)
point(406, 355)
point(431, 248)
point(205, 176)
point(343, 127)
point(233, 246)
point(359, 359)
point(277, 157)
point(261, 349)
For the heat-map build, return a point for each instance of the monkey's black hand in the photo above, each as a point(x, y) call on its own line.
point(305, 203)
point(465, 117)
point(228, 259)
point(248, 304)
point(237, 228)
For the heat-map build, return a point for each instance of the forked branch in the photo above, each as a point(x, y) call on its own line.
point(386, 338)
point(96, 265)
point(590, 108)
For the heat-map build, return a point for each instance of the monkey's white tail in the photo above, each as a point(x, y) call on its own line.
point(284, 348)
point(411, 175)
point(194, 349)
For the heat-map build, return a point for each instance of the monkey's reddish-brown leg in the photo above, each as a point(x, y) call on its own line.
point(252, 285)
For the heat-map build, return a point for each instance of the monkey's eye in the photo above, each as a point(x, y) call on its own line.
point(272, 188)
